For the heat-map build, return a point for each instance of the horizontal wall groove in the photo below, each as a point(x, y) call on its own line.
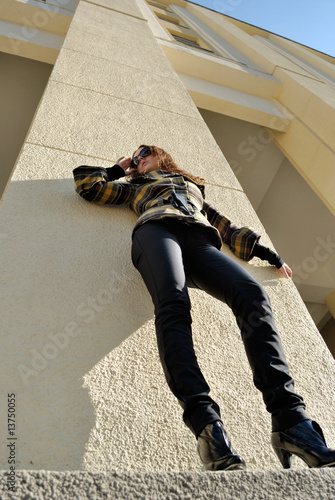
point(114, 10)
point(225, 187)
point(128, 100)
point(31, 143)
point(124, 65)
point(115, 39)
point(109, 160)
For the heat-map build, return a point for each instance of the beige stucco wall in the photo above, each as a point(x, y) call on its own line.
point(77, 329)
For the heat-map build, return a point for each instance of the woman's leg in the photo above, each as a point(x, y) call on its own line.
point(157, 254)
point(226, 280)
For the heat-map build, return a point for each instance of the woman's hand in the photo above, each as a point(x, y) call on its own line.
point(286, 271)
point(125, 164)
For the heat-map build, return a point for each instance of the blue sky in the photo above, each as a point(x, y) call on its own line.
point(310, 22)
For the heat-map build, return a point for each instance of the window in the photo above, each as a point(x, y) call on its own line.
point(190, 43)
point(169, 19)
point(157, 4)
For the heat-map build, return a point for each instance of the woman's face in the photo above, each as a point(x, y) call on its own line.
point(146, 164)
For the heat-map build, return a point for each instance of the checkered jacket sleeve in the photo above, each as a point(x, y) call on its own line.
point(241, 241)
point(93, 184)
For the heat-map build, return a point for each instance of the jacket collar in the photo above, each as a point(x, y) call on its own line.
point(155, 174)
point(158, 174)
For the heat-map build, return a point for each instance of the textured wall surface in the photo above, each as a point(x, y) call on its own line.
point(77, 332)
point(302, 485)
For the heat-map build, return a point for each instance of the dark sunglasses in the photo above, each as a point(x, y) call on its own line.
point(145, 152)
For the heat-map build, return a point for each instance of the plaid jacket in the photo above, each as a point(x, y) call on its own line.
point(161, 194)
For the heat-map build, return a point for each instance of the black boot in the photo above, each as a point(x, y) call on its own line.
point(306, 440)
point(215, 449)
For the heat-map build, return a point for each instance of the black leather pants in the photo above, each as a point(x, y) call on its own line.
point(170, 255)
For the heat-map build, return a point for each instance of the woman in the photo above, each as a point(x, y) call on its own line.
point(176, 243)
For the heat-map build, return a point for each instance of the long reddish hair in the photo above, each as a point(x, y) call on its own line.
point(166, 162)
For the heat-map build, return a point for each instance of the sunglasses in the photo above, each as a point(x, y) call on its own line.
point(145, 152)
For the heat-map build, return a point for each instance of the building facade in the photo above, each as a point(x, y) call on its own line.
point(248, 110)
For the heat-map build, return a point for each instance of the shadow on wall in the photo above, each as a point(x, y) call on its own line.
point(70, 296)
point(21, 86)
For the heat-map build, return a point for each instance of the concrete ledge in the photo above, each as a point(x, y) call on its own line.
point(302, 484)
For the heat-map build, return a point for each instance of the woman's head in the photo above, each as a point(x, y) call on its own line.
point(148, 158)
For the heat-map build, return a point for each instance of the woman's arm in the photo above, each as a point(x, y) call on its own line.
point(241, 241)
point(115, 172)
point(96, 184)
point(273, 258)
point(244, 241)
point(265, 253)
